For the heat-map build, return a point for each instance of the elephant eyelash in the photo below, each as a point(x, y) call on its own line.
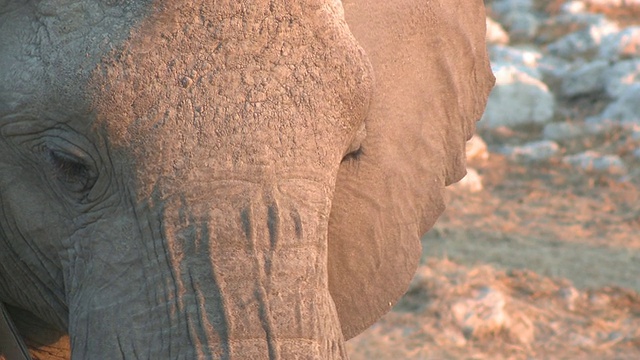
point(353, 156)
point(67, 165)
point(71, 171)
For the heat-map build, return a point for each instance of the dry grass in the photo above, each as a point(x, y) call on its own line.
point(528, 316)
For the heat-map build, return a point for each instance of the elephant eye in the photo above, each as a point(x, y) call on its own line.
point(353, 155)
point(71, 170)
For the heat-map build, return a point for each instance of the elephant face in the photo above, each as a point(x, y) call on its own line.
point(198, 179)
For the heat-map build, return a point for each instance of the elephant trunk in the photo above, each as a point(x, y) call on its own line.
point(241, 276)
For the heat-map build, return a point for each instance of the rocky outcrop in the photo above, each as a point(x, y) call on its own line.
point(566, 74)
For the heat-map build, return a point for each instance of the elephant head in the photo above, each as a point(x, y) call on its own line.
point(225, 179)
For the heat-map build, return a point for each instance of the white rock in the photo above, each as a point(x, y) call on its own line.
point(562, 24)
point(573, 7)
point(625, 109)
point(635, 133)
point(553, 70)
point(454, 337)
point(570, 295)
point(517, 99)
point(621, 76)
point(504, 7)
point(476, 149)
point(581, 341)
point(472, 182)
point(586, 79)
point(577, 19)
point(599, 299)
point(483, 314)
point(495, 33)
point(560, 131)
point(595, 126)
point(584, 43)
point(518, 56)
point(605, 3)
point(621, 45)
point(521, 329)
point(533, 151)
point(596, 162)
point(608, 4)
point(522, 26)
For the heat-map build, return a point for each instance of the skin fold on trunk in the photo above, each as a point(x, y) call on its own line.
point(266, 288)
point(261, 294)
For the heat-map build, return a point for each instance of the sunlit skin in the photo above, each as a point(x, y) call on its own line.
point(223, 180)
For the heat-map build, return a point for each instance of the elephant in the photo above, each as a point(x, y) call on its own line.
point(202, 179)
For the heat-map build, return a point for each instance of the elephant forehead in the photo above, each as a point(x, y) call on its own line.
point(48, 49)
point(266, 83)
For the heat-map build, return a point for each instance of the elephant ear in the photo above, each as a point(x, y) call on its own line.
point(432, 81)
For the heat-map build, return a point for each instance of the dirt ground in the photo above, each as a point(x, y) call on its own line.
point(541, 264)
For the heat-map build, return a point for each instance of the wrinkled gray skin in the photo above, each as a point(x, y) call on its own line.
point(214, 179)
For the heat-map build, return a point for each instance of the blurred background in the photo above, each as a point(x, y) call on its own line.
point(538, 253)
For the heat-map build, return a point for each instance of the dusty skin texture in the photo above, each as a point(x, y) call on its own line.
point(187, 179)
point(432, 79)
